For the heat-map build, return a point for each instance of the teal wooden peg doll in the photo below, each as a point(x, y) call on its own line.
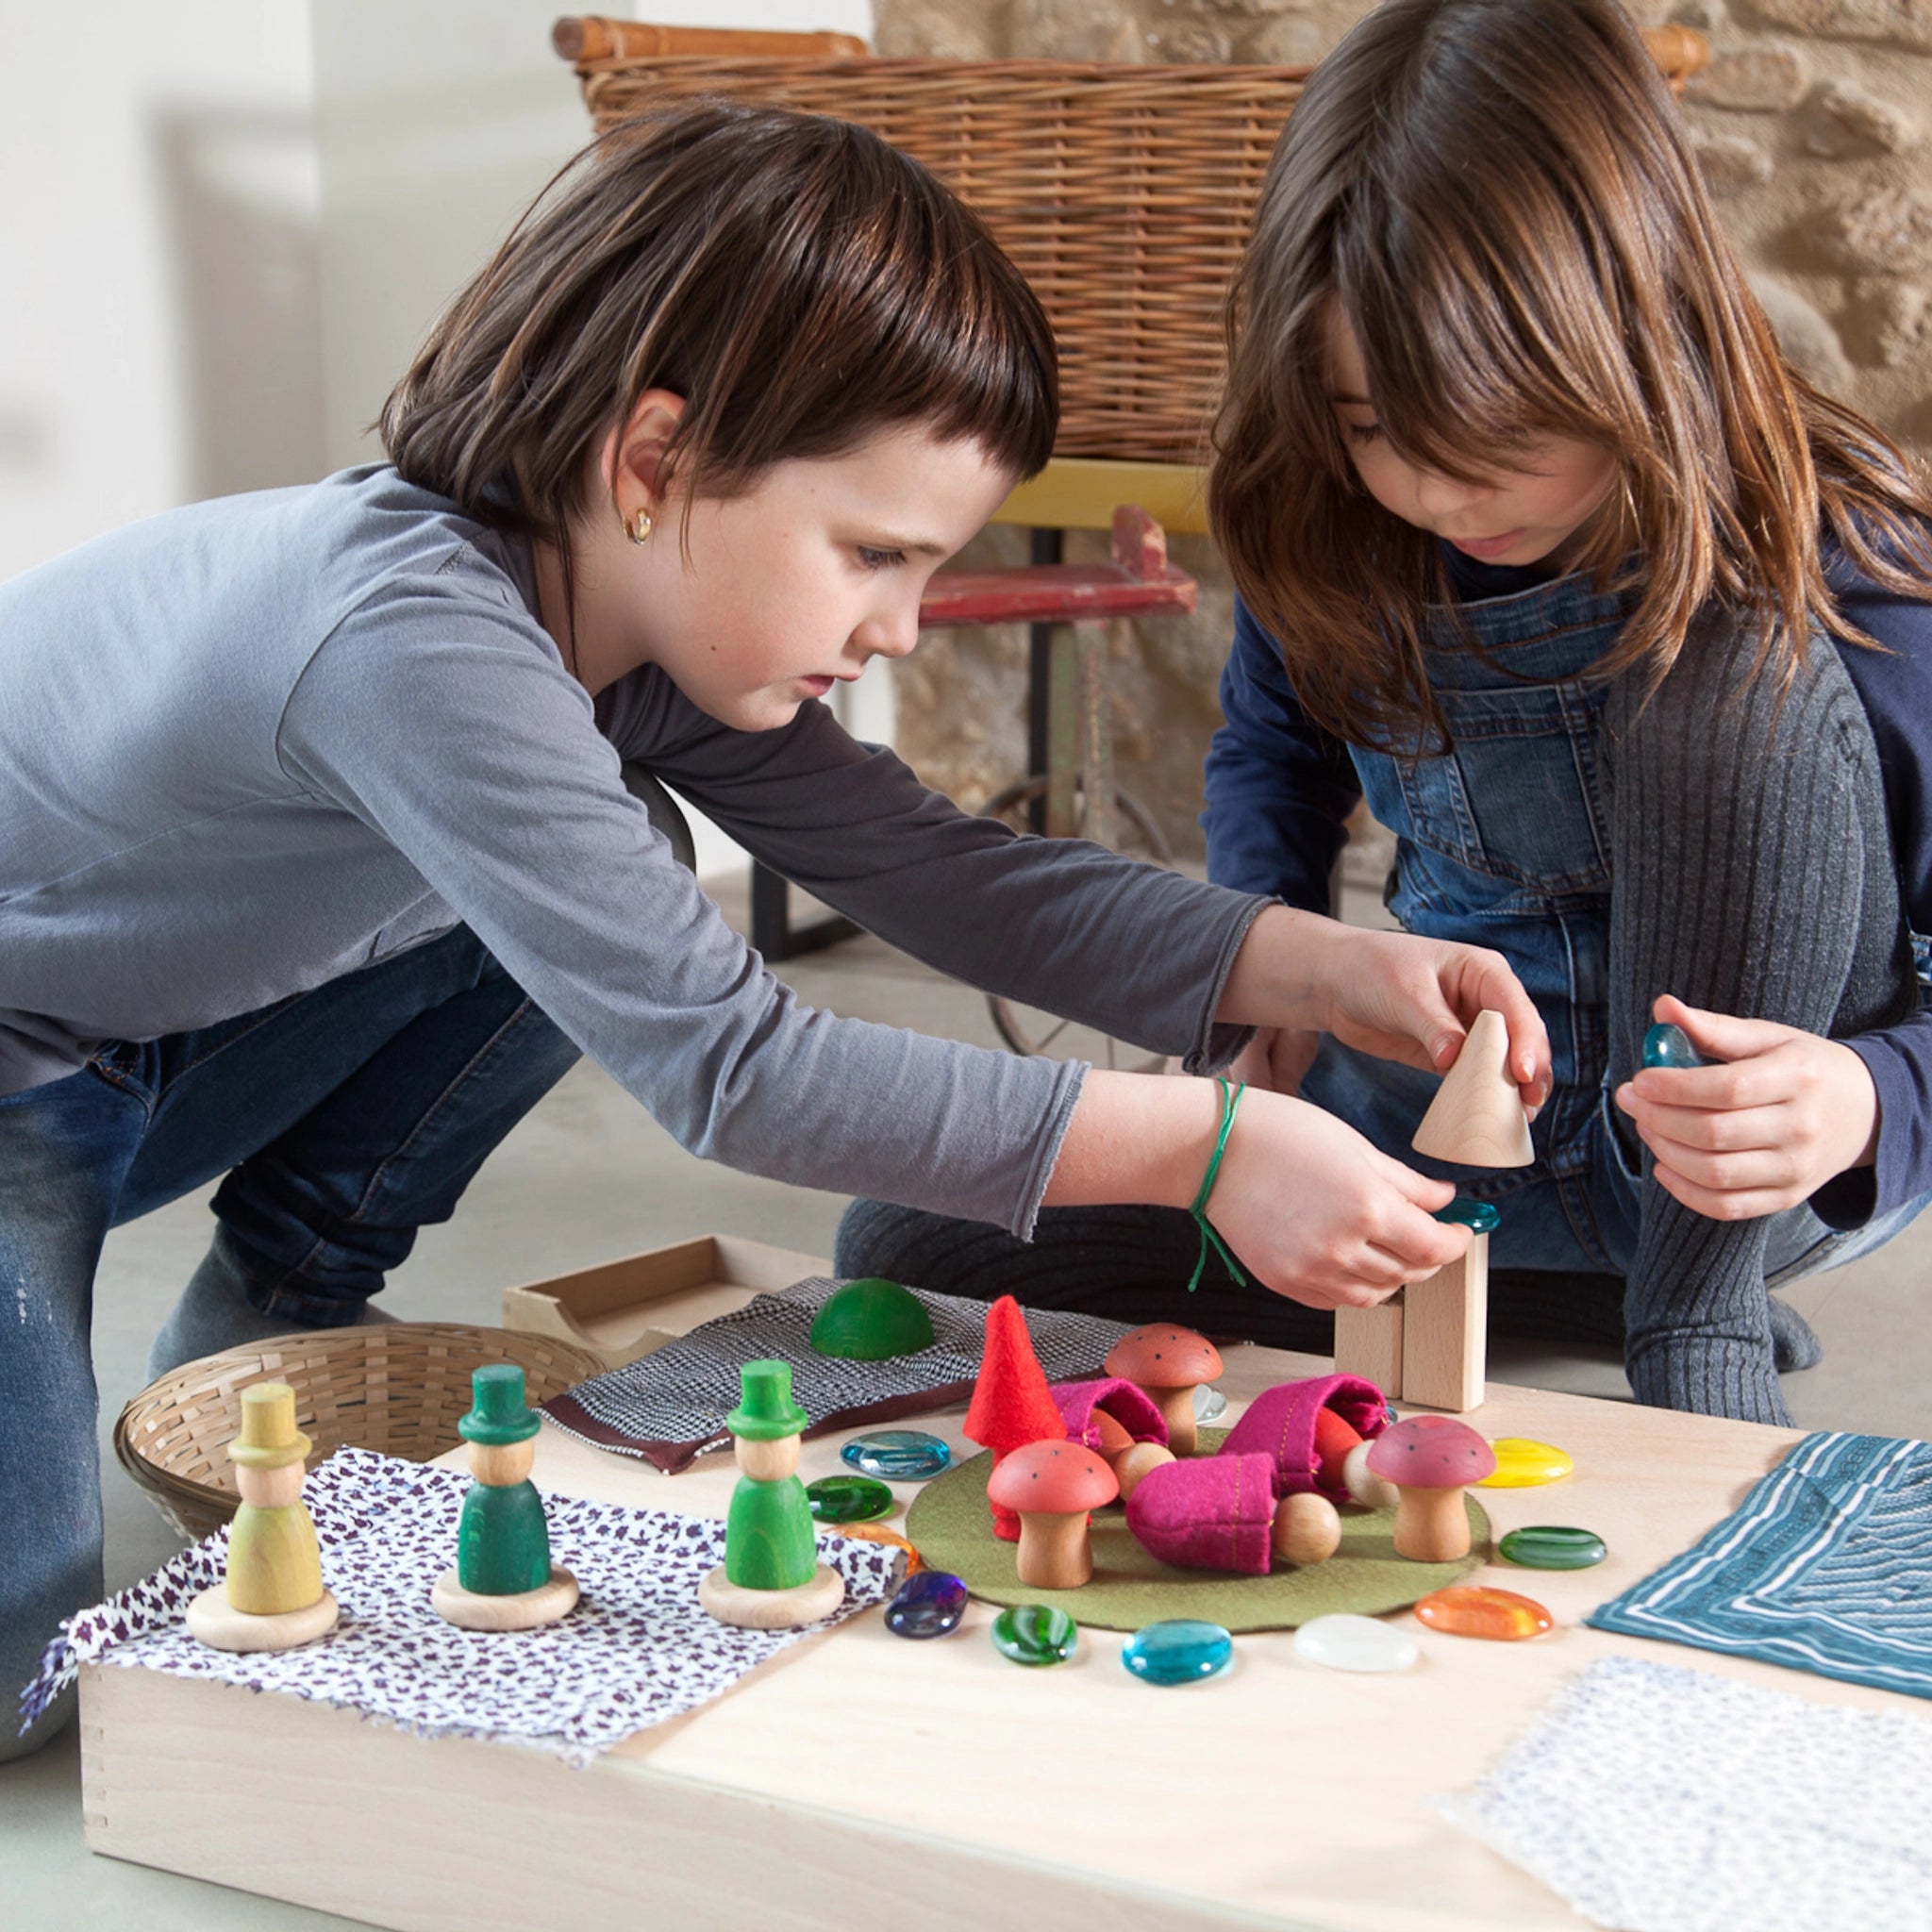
point(771, 1578)
point(504, 1578)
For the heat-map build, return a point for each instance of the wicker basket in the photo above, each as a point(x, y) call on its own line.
point(397, 1387)
point(1125, 193)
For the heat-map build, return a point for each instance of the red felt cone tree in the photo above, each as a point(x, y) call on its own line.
point(1012, 1405)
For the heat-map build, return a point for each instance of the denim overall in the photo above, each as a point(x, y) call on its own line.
point(1504, 841)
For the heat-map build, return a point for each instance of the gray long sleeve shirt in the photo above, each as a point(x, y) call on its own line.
point(254, 745)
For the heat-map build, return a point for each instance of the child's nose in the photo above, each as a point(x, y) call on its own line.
point(1439, 496)
point(893, 631)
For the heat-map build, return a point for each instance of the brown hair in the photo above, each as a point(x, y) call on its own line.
point(801, 284)
point(1499, 199)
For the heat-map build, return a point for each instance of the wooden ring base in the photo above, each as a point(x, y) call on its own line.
point(214, 1621)
point(772, 1610)
point(526, 1609)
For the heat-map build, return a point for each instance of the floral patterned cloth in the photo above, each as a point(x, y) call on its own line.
point(638, 1648)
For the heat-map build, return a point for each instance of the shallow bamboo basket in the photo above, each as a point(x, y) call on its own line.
point(1124, 194)
point(397, 1388)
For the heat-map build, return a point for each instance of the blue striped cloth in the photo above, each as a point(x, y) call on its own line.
point(1825, 1567)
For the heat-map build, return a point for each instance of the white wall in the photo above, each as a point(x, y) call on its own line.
point(159, 335)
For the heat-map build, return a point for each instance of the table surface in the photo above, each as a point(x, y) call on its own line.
point(1280, 1787)
point(1279, 1794)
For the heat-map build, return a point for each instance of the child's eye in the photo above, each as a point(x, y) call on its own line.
point(1363, 432)
point(879, 559)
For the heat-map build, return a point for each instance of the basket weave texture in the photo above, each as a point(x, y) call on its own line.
point(1125, 193)
point(397, 1388)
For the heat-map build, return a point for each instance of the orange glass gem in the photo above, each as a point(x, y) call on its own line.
point(878, 1533)
point(1476, 1610)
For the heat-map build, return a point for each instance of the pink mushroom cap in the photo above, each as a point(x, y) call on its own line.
point(1431, 1452)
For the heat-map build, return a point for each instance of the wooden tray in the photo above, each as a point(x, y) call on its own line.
point(627, 1308)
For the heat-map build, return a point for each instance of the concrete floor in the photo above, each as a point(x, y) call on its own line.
point(588, 1177)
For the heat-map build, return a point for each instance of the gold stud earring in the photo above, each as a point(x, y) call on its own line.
point(639, 528)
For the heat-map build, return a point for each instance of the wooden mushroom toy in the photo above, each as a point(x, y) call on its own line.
point(1051, 1487)
point(1431, 1460)
point(1169, 1363)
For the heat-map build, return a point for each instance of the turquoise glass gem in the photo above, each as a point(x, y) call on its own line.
point(1182, 1650)
point(928, 1605)
point(848, 1499)
point(897, 1456)
point(1551, 1546)
point(1035, 1634)
point(1670, 1047)
point(1463, 1212)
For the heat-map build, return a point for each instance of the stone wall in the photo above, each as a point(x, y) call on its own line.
point(1815, 124)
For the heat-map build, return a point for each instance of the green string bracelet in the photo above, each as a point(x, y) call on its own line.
point(1230, 1103)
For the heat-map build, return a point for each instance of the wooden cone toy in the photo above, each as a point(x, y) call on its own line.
point(1476, 1118)
point(273, 1597)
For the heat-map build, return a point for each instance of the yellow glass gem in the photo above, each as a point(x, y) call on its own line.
point(1521, 1464)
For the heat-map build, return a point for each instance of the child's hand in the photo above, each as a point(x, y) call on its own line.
point(1276, 1059)
point(1411, 1000)
point(1763, 1131)
point(1318, 1214)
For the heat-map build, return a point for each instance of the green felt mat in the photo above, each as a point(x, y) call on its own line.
point(951, 1526)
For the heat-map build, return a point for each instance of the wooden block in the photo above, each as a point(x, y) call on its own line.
point(1476, 1118)
point(1367, 1342)
point(1444, 1337)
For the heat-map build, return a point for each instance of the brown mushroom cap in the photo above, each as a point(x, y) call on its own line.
point(1051, 1479)
point(1431, 1452)
point(1161, 1357)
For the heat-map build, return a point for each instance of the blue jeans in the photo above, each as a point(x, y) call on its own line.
point(344, 1120)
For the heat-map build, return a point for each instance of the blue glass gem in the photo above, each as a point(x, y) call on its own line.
point(1035, 1634)
point(848, 1499)
point(1182, 1650)
point(1463, 1212)
point(1670, 1047)
point(928, 1605)
point(897, 1456)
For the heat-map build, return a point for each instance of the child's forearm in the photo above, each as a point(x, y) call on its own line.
point(1136, 1136)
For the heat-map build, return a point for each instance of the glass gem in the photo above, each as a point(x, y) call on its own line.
point(1521, 1464)
point(1551, 1546)
point(897, 1456)
point(1463, 1212)
point(1669, 1046)
point(848, 1499)
point(878, 1533)
point(1344, 1641)
point(1211, 1404)
point(928, 1605)
point(1181, 1650)
point(1035, 1634)
point(1476, 1610)
point(870, 1319)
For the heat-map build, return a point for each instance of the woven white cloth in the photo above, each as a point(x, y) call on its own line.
point(1657, 1799)
point(638, 1648)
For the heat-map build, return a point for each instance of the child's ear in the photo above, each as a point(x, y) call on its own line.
point(632, 461)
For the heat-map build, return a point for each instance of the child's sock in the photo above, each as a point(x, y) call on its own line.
point(214, 1312)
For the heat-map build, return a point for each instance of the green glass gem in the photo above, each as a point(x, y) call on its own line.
point(870, 1320)
point(1463, 1212)
point(1035, 1634)
point(1551, 1546)
point(1670, 1047)
point(848, 1498)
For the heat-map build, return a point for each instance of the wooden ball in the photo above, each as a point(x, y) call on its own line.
point(1308, 1529)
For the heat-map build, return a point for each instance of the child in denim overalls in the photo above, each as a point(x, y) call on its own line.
point(1544, 551)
